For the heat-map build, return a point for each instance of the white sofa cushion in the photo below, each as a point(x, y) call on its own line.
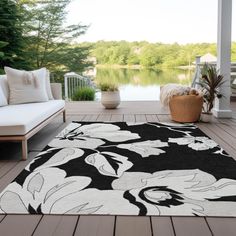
point(4, 91)
point(20, 119)
point(26, 86)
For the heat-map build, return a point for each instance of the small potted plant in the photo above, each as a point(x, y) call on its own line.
point(210, 82)
point(110, 95)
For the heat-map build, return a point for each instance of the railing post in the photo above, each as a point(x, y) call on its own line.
point(66, 87)
point(198, 60)
point(72, 81)
point(197, 72)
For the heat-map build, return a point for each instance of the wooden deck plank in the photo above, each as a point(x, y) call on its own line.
point(230, 129)
point(164, 118)
point(95, 225)
point(222, 226)
point(126, 107)
point(219, 140)
point(194, 226)
point(136, 226)
point(2, 163)
point(116, 117)
point(22, 225)
point(104, 117)
point(140, 118)
point(86, 117)
point(162, 226)
point(94, 118)
point(152, 118)
point(7, 167)
point(222, 133)
point(90, 117)
point(2, 217)
point(231, 121)
point(56, 225)
point(129, 118)
point(70, 118)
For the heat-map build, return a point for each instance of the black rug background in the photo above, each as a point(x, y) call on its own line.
point(177, 157)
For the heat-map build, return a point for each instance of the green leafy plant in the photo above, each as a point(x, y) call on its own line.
point(210, 82)
point(108, 87)
point(84, 94)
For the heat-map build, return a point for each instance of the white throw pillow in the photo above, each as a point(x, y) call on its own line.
point(48, 86)
point(26, 86)
point(3, 99)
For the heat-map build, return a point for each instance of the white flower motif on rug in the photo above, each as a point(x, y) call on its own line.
point(41, 190)
point(196, 143)
point(177, 192)
point(91, 135)
point(108, 163)
point(146, 148)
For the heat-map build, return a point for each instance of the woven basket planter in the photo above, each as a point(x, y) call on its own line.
point(186, 108)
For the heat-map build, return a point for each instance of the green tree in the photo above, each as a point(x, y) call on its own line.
point(2, 55)
point(152, 55)
point(133, 59)
point(48, 39)
point(149, 56)
point(11, 42)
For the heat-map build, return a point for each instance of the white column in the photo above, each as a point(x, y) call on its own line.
point(222, 105)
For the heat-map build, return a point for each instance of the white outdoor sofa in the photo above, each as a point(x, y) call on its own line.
point(21, 122)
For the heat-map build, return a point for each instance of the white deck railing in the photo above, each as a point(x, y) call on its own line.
point(199, 66)
point(72, 82)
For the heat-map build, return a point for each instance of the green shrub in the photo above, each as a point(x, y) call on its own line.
point(108, 87)
point(84, 94)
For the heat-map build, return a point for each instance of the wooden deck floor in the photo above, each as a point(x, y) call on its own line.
point(222, 131)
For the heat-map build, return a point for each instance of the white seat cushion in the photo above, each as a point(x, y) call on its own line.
point(20, 119)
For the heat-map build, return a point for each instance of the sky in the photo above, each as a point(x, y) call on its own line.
point(166, 21)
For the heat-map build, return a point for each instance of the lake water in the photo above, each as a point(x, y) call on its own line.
point(143, 84)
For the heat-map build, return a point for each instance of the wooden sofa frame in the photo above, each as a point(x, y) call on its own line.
point(24, 138)
point(57, 94)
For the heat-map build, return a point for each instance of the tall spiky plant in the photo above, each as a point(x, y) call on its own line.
point(210, 82)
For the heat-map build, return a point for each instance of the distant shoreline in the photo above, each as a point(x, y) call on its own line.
point(139, 67)
point(115, 66)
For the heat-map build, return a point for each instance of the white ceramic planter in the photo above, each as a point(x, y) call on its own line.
point(206, 117)
point(110, 100)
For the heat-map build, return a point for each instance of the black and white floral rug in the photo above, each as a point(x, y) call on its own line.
point(126, 169)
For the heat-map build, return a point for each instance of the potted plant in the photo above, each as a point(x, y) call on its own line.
point(210, 82)
point(185, 103)
point(110, 95)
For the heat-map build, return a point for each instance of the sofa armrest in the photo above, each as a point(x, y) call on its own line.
point(56, 91)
